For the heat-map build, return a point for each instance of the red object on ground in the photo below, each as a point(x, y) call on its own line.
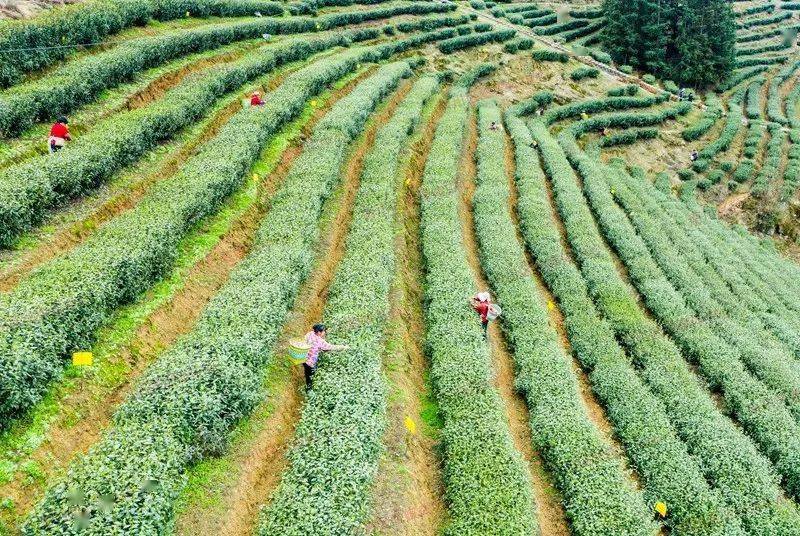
point(255, 100)
point(59, 130)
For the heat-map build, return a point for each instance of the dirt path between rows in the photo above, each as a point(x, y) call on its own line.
point(409, 491)
point(258, 466)
point(514, 404)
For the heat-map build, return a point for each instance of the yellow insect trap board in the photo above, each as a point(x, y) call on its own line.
point(82, 359)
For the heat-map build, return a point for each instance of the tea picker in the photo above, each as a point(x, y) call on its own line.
point(59, 135)
point(306, 351)
point(482, 304)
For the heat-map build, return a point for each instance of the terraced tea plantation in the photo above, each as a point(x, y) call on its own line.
point(640, 238)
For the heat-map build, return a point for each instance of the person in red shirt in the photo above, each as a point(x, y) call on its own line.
point(481, 303)
point(59, 134)
point(255, 99)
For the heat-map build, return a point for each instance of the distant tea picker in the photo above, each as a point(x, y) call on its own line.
point(482, 304)
point(306, 351)
point(59, 135)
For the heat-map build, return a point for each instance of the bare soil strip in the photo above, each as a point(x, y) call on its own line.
point(86, 408)
point(409, 491)
point(516, 408)
point(257, 465)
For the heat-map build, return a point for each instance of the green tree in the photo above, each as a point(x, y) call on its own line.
point(691, 41)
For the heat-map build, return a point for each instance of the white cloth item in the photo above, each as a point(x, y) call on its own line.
point(483, 297)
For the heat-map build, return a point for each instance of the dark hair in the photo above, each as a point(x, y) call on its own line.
point(318, 328)
point(62, 119)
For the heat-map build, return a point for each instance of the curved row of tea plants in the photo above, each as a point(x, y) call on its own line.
point(82, 81)
point(745, 478)
point(211, 378)
point(487, 485)
point(592, 106)
point(339, 438)
point(746, 335)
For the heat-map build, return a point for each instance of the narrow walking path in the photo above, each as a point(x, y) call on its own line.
point(514, 404)
point(409, 489)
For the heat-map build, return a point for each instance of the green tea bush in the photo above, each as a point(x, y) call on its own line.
point(517, 44)
point(732, 126)
point(211, 378)
point(67, 299)
point(753, 102)
point(686, 175)
point(765, 21)
point(708, 119)
point(477, 4)
point(589, 13)
point(540, 100)
point(339, 437)
point(486, 482)
point(760, 60)
point(562, 27)
point(744, 171)
point(431, 23)
point(753, 139)
point(739, 472)
point(465, 41)
point(534, 13)
point(737, 77)
point(671, 86)
point(629, 90)
point(469, 78)
point(541, 21)
point(90, 22)
point(520, 7)
point(649, 78)
point(582, 31)
point(550, 55)
point(791, 175)
point(515, 19)
point(584, 72)
point(726, 166)
point(727, 457)
point(599, 55)
point(774, 99)
point(30, 189)
point(756, 9)
point(482, 27)
point(783, 44)
point(626, 137)
point(80, 82)
point(627, 69)
point(715, 176)
point(772, 161)
point(758, 36)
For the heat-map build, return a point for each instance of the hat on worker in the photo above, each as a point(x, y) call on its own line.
point(483, 296)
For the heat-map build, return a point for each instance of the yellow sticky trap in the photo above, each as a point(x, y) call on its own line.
point(317, 26)
point(613, 191)
point(661, 508)
point(411, 426)
point(82, 359)
point(255, 176)
point(187, 14)
point(313, 104)
point(550, 305)
point(408, 182)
